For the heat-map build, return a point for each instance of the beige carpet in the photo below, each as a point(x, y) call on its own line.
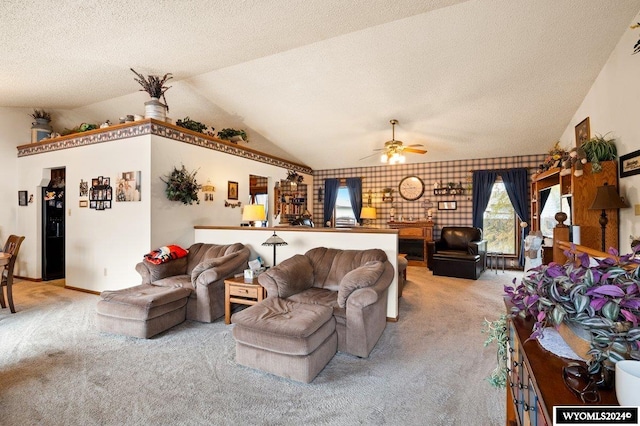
point(429, 368)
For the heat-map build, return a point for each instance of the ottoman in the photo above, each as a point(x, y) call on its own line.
point(457, 265)
point(289, 339)
point(142, 311)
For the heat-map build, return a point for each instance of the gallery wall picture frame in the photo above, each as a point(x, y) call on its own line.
point(630, 164)
point(583, 132)
point(83, 203)
point(22, 198)
point(447, 205)
point(232, 190)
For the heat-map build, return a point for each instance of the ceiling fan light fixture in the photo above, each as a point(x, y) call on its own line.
point(384, 158)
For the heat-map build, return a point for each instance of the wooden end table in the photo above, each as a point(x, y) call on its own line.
point(236, 290)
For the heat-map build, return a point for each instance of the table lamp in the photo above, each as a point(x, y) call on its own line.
point(367, 214)
point(607, 198)
point(253, 213)
point(275, 241)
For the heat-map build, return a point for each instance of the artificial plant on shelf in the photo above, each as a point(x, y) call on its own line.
point(182, 186)
point(233, 135)
point(154, 85)
point(196, 126)
point(599, 148)
point(601, 296)
point(40, 114)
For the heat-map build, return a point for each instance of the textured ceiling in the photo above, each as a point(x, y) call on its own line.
point(320, 80)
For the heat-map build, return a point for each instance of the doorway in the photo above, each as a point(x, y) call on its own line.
point(53, 226)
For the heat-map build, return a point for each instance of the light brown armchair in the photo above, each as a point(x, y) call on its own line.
point(203, 270)
point(354, 283)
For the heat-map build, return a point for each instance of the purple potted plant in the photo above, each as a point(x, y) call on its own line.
point(599, 296)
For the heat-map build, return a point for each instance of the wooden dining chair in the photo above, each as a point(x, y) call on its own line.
point(12, 247)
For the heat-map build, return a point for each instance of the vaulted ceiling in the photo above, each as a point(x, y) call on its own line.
point(319, 80)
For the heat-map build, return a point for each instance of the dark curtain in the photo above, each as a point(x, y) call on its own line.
point(482, 185)
point(330, 195)
point(354, 185)
point(544, 196)
point(517, 186)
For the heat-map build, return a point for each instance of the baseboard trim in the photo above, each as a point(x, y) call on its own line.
point(84, 290)
point(35, 280)
point(391, 319)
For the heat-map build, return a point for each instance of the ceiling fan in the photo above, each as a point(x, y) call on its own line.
point(393, 151)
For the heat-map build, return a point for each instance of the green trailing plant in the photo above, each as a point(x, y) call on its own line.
point(497, 332)
point(599, 148)
point(601, 298)
point(182, 186)
point(196, 126)
point(154, 85)
point(40, 114)
point(227, 134)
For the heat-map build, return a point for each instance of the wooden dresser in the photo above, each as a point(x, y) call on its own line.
point(534, 382)
point(412, 240)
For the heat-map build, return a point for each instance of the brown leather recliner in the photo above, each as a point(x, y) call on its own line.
point(460, 252)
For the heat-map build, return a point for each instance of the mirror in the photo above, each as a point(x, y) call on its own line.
point(259, 194)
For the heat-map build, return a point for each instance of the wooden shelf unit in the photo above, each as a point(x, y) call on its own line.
point(582, 191)
point(412, 240)
point(290, 200)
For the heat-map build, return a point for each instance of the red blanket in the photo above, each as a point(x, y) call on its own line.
point(165, 254)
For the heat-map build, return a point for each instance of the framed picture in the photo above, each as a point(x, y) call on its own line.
point(583, 132)
point(22, 198)
point(106, 181)
point(83, 203)
point(630, 164)
point(95, 182)
point(232, 190)
point(447, 205)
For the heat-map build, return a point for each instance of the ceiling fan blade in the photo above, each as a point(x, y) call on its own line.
point(415, 151)
point(369, 156)
point(415, 144)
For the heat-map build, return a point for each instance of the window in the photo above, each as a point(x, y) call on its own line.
point(343, 215)
point(500, 222)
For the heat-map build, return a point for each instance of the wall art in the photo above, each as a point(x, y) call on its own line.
point(630, 164)
point(128, 186)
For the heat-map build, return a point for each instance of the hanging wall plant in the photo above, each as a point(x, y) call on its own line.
point(182, 186)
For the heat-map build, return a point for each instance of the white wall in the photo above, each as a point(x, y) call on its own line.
point(299, 241)
point(613, 105)
point(15, 129)
point(103, 247)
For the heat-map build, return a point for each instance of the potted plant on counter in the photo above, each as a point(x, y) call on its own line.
point(600, 297)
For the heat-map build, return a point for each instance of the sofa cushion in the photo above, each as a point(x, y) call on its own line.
point(175, 281)
point(364, 276)
point(331, 265)
point(288, 278)
point(211, 263)
point(316, 296)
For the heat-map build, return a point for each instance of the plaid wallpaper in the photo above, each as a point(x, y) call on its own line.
point(376, 178)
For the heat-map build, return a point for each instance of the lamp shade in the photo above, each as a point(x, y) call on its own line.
point(253, 213)
point(607, 198)
point(368, 213)
point(275, 240)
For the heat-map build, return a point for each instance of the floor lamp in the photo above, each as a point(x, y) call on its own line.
point(275, 241)
point(607, 198)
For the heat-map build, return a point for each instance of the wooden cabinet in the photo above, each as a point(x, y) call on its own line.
point(412, 240)
point(579, 193)
point(534, 381)
point(290, 200)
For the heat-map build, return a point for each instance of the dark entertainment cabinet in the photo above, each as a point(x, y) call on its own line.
point(412, 240)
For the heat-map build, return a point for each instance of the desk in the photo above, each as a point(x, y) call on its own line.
point(236, 290)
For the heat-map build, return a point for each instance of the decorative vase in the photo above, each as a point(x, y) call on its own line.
point(578, 338)
point(40, 129)
point(154, 109)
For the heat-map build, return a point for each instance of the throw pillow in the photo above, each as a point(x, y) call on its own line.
point(165, 254)
point(364, 276)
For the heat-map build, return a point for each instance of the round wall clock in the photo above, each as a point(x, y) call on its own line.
point(411, 188)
